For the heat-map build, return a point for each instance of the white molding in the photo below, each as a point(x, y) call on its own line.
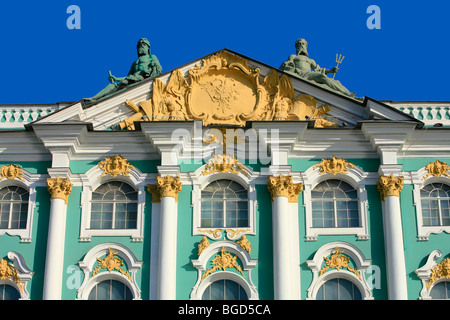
point(424, 274)
point(87, 265)
point(247, 265)
point(351, 251)
point(24, 273)
point(358, 179)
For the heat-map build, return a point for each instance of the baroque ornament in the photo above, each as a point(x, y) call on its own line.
point(224, 163)
point(9, 272)
point(11, 172)
point(114, 166)
point(441, 271)
point(225, 90)
point(390, 186)
point(223, 261)
point(338, 261)
point(111, 263)
point(244, 244)
point(282, 186)
point(59, 188)
point(437, 169)
point(334, 166)
point(167, 186)
point(204, 243)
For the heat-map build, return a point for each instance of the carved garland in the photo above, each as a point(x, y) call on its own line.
point(11, 172)
point(111, 262)
point(114, 166)
point(437, 169)
point(442, 270)
point(334, 166)
point(338, 261)
point(223, 261)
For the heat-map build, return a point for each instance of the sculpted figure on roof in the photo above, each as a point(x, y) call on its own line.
point(146, 66)
point(302, 65)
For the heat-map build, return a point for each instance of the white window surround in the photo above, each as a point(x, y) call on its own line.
point(91, 180)
point(87, 265)
point(423, 232)
point(361, 264)
point(424, 274)
point(215, 248)
point(31, 181)
point(23, 272)
point(357, 178)
point(199, 182)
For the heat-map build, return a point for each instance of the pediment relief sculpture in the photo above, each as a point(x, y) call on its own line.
point(224, 89)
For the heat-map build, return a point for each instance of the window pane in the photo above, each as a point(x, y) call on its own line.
point(224, 290)
point(8, 292)
point(338, 289)
point(440, 291)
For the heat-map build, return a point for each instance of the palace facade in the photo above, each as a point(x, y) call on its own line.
point(225, 179)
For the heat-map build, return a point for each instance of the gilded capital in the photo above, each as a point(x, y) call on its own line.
point(282, 186)
point(390, 186)
point(59, 188)
point(166, 186)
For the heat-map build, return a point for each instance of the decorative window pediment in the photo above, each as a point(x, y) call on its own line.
point(339, 260)
point(109, 261)
point(433, 273)
point(15, 273)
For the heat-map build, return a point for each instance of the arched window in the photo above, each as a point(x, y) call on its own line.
point(224, 290)
point(224, 204)
point(338, 289)
point(110, 290)
point(435, 200)
point(114, 206)
point(334, 205)
point(8, 292)
point(13, 207)
point(441, 291)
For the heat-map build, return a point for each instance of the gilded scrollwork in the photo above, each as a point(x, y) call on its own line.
point(111, 263)
point(223, 261)
point(11, 171)
point(334, 166)
point(224, 89)
point(115, 165)
point(9, 272)
point(166, 186)
point(441, 271)
point(244, 243)
point(282, 186)
point(204, 243)
point(437, 169)
point(338, 261)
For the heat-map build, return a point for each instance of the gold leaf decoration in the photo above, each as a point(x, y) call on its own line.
point(111, 263)
point(11, 171)
point(338, 261)
point(437, 169)
point(114, 166)
point(223, 164)
point(442, 270)
point(390, 186)
point(223, 261)
point(9, 272)
point(282, 186)
point(334, 166)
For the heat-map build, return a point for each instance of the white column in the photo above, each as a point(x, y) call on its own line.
point(167, 250)
point(281, 249)
point(165, 191)
point(54, 261)
point(390, 187)
point(282, 191)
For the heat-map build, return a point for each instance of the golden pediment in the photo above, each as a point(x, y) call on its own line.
point(224, 89)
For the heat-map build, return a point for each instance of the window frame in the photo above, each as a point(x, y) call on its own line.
point(356, 178)
point(91, 180)
point(199, 182)
point(29, 183)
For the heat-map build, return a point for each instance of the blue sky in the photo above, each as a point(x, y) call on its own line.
point(42, 61)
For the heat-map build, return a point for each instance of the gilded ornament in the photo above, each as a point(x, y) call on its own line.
point(441, 271)
point(9, 272)
point(114, 166)
point(282, 186)
point(437, 169)
point(223, 261)
point(204, 243)
point(338, 261)
point(11, 171)
point(390, 186)
point(334, 166)
point(167, 186)
point(224, 163)
point(111, 263)
point(225, 90)
point(244, 244)
point(59, 188)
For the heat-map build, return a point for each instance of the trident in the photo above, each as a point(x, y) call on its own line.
point(339, 59)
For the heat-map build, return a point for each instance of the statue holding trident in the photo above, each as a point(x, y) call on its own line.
point(300, 65)
point(146, 66)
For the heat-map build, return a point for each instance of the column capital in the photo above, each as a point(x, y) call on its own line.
point(59, 188)
point(167, 186)
point(390, 186)
point(282, 186)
